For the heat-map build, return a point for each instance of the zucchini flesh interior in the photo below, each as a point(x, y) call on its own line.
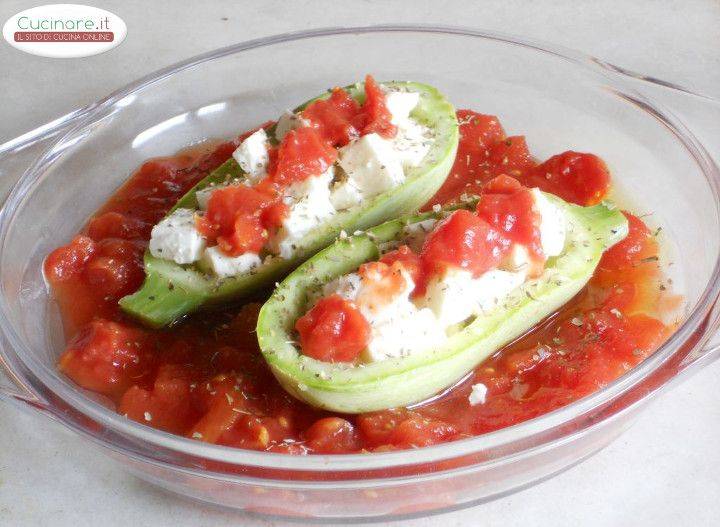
point(396, 382)
point(171, 291)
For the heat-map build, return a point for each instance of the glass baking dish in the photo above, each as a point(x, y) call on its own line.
point(559, 98)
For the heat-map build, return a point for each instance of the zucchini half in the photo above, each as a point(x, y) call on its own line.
point(171, 291)
point(348, 388)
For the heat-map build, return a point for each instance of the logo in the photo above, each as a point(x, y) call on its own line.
point(64, 31)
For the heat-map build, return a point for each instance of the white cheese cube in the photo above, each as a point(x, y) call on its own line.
point(493, 287)
point(451, 296)
point(345, 195)
point(412, 143)
point(372, 164)
point(222, 265)
point(478, 394)
point(518, 259)
point(552, 225)
point(252, 156)
point(400, 104)
point(309, 206)
point(455, 295)
point(175, 238)
point(288, 121)
point(405, 331)
point(347, 286)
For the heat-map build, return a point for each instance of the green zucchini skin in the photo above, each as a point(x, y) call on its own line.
point(171, 291)
point(346, 388)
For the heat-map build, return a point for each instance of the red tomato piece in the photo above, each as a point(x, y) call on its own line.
point(332, 435)
point(637, 246)
point(336, 118)
point(116, 225)
point(116, 269)
point(509, 208)
point(69, 260)
point(377, 116)
point(420, 431)
point(479, 131)
point(472, 167)
point(107, 357)
point(574, 176)
point(408, 260)
point(167, 405)
point(302, 153)
point(235, 218)
point(333, 330)
point(510, 156)
point(466, 241)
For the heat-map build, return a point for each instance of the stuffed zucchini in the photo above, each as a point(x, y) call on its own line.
point(348, 333)
point(348, 160)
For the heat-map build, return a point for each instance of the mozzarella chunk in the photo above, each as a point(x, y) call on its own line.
point(455, 295)
point(552, 224)
point(518, 259)
point(347, 286)
point(400, 104)
point(309, 205)
point(478, 394)
point(345, 195)
point(175, 238)
point(223, 265)
point(403, 332)
point(412, 143)
point(288, 121)
point(252, 156)
point(372, 164)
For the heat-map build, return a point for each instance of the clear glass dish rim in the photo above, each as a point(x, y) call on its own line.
point(50, 379)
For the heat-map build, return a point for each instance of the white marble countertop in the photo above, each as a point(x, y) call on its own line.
point(661, 472)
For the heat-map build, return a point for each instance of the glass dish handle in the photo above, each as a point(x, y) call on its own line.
point(701, 115)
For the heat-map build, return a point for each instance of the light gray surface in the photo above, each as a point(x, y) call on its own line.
point(662, 472)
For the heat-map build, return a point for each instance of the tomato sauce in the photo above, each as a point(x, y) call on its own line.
point(206, 379)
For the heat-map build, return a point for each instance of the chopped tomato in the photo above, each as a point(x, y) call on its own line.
point(408, 259)
point(420, 431)
point(401, 428)
point(574, 176)
point(377, 116)
point(472, 167)
point(479, 131)
point(333, 330)
point(302, 153)
point(69, 260)
point(116, 268)
point(510, 156)
point(117, 225)
point(168, 404)
point(235, 218)
point(509, 207)
point(332, 435)
point(337, 118)
point(108, 357)
point(382, 283)
point(466, 241)
point(637, 246)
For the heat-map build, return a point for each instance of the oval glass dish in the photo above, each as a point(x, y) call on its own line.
point(559, 98)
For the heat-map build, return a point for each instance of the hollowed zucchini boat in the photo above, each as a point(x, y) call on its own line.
point(395, 382)
point(171, 290)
